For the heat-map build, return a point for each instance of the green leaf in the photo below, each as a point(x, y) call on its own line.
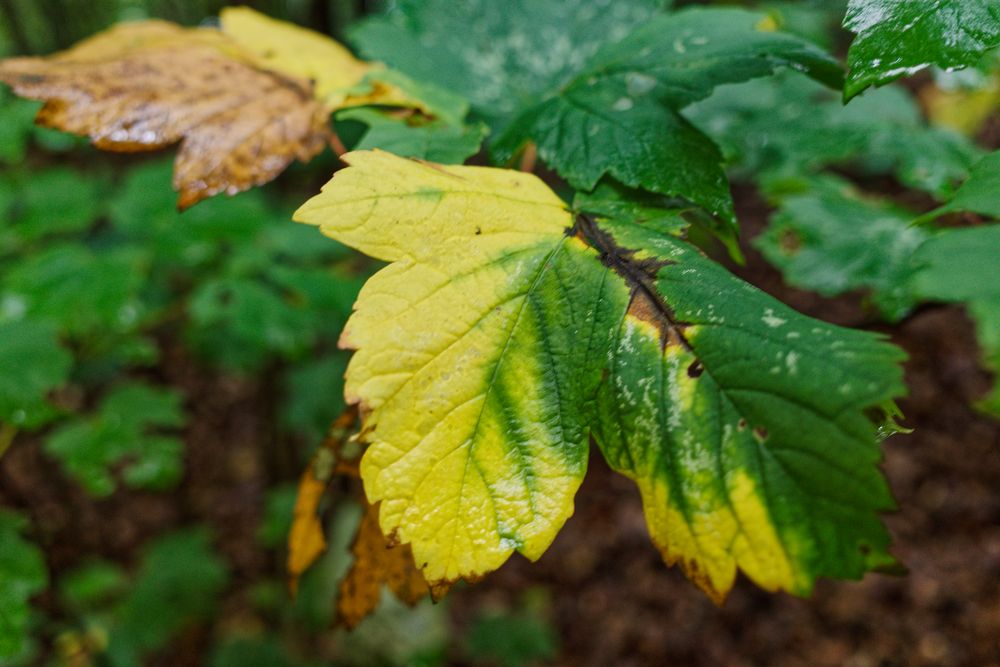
point(279, 510)
point(240, 323)
point(440, 103)
point(981, 193)
point(960, 266)
point(814, 20)
point(54, 201)
point(895, 39)
point(669, 216)
point(620, 115)
point(22, 576)
point(314, 390)
point(178, 584)
point(125, 432)
point(257, 652)
point(611, 200)
point(433, 140)
point(598, 92)
point(92, 586)
point(635, 139)
point(501, 322)
point(782, 128)
point(16, 116)
point(744, 424)
point(32, 363)
point(831, 241)
point(501, 57)
point(84, 292)
point(511, 640)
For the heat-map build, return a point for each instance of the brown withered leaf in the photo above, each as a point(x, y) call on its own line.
point(144, 86)
point(376, 562)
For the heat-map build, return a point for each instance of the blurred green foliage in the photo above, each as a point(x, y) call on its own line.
point(104, 285)
point(22, 575)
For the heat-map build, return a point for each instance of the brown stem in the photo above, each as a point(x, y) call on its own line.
point(528, 158)
point(336, 145)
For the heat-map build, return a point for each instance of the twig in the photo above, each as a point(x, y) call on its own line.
point(528, 158)
point(336, 144)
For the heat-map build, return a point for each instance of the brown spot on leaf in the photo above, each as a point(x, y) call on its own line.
point(760, 433)
point(695, 369)
point(643, 308)
point(789, 242)
point(693, 571)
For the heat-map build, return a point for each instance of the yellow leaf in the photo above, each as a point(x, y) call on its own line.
point(299, 52)
point(306, 541)
point(476, 448)
point(962, 110)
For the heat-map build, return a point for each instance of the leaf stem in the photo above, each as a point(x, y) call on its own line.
point(336, 145)
point(528, 158)
point(928, 217)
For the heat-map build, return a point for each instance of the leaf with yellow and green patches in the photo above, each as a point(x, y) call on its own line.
point(478, 352)
point(744, 423)
point(507, 330)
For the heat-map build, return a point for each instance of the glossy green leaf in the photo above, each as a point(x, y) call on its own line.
point(615, 201)
point(32, 363)
point(22, 575)
point(619, 116)
point(127, 432)
point(668, 215)
point(830, 240)
point(433, 140)
point(897, 38)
